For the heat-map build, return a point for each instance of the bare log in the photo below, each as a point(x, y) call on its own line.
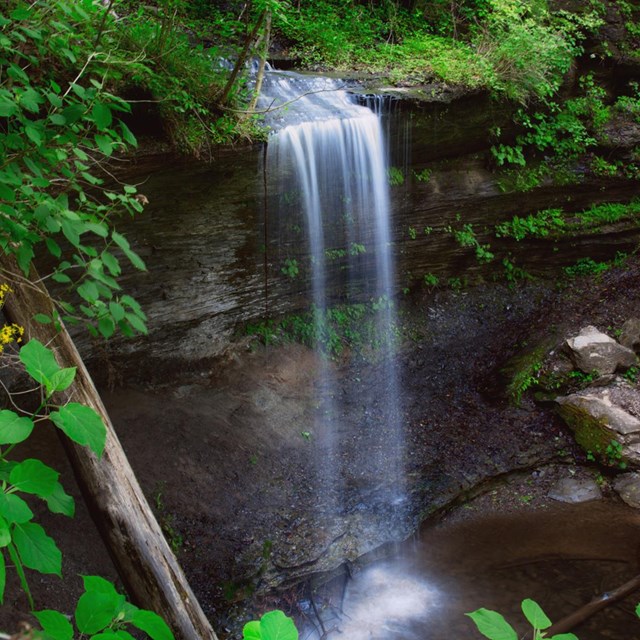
point(597, 604)
point(148, 568)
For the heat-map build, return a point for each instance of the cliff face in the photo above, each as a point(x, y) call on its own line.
point(217, 251)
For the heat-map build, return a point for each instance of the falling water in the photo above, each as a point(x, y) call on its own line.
point(327, 159)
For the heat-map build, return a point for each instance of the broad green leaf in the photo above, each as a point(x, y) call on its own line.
point(563, 636)
point(37, 550)
point(39, 361)
point(104, 144)
point(101, 116)
point(152, 624)
point(251, 630)
point(137, 323)
point(638, 610)
point(61, 380)
point(82, 424)
point(60, 502)
point(3, 577)
point(96, 610)
point(33, 476)
point(117, 311)
point(275, 625)
point(14, 428)
point(535, 615)
point(42, 318)
point(53, 247)
point(14, 508)
point(5, 533)
point(106, 326)
point(492, 625)
point(54, 624)
point(99, 585)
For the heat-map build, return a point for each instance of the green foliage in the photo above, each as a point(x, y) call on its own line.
point(586, 267)
point(466, 237)
point(333, 330)
point(102, 613)
point(492, 624)
point(274, 625)
point(538, 225)
point(56, 139)
point(395, 176)
point(26, 542)
point(290, 268)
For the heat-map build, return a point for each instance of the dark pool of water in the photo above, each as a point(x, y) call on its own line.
point(561, 557)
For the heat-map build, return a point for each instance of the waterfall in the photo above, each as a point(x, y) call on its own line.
point(327, 176)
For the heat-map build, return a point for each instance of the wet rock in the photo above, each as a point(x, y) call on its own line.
point(606, 422)
point(627, 486)
point(592, 350)
point(630, 336)
point(575, 490)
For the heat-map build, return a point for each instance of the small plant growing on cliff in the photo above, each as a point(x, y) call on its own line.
point(395, 177)
point(290, 268)
point(492, 624)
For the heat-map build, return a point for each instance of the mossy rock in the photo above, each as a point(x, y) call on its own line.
point(591, 433)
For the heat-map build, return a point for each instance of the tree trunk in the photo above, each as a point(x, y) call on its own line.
point(224, 97)
point(263, 61)
point(147, 566)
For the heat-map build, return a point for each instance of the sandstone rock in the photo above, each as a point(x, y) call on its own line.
point(627, 487)
point(606, 422)
point(592, 350)
point(575, 490)
point(630, 336)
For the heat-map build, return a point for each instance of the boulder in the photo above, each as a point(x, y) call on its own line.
point(606, 422)
point(630, 336)
point(575, 490)
point(592, 350)
point(627, 486)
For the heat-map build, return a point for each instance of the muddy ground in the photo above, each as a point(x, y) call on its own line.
point(233, 462)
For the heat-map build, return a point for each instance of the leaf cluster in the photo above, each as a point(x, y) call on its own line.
point(55, 142)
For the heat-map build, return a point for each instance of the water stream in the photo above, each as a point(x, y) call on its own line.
point(327, 172)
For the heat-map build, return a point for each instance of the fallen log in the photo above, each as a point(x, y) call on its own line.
point(148, 568)
point(597, 604)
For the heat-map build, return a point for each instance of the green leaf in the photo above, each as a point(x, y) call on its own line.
point(101, 116)
point(104, 144)
point(251, 630)
point(5, 533)
point(275, 625)
point(492, 625)
point(59, 501)
point(14, 508)
point(39, 361)
point(53, 247)
point(117, 311)
point(134, 258)
point(563, 636)
point(82, 424)
point(33, 476)
point(54, 624)
point(61, 380)
point(3, 577)
point(110, 634)
point(96, 610)
point(137, 323)
point(152, 624)
point(37, 550)
point(106, 326)
point(42, 318)
point(99, 585)
point(13, 428)
point(535, 615)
